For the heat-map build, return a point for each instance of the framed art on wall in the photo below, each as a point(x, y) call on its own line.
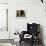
point(20, 13)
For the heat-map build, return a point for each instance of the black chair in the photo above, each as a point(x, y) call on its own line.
point(32, 29)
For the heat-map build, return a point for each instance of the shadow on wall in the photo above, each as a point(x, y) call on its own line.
point(41, 34)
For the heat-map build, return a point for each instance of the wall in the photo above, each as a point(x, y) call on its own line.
point(3, 1)
point(34, 10)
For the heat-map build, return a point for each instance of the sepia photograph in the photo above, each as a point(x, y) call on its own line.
point(20, 13)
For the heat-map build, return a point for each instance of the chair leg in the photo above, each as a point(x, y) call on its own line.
point(32, 42)
point(20, 42)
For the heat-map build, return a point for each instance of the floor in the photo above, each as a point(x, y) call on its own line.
point(5, 44)
point(23, 44)
point(27, 44)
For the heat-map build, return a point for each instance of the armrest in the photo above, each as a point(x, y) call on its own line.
point(22, 35)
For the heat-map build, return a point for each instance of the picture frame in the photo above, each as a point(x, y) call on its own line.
point(20, 13)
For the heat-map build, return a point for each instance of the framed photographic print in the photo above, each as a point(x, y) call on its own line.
point(20, 13)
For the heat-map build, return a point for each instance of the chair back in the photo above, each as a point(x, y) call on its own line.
point(33, 28)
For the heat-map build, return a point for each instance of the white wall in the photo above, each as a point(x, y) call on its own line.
point(34, 10)
point(3, 1)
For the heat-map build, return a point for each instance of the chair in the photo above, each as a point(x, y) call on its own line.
point(33, 30)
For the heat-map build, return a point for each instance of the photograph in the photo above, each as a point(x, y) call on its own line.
point(20, 13)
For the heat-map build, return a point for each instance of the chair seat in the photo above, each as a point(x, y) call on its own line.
point(27, 36)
